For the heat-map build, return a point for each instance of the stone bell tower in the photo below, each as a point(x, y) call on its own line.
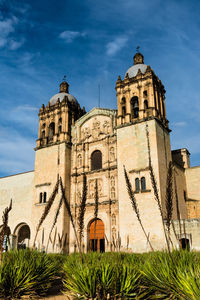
point(141, 105)
point(141, 95)
point(53, 155)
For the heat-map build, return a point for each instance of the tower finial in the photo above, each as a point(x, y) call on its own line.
point(138, 57)
point(137, 49)
point(64, 86)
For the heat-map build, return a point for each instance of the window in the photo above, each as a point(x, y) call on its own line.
point(145, 93)
point(123, 111)
point(96, 160)
point(185, 196)
point(143, 184)
point(43, 130)
point(60, 125)
point(41, 197)
point(51, 131)
point(123, 103)
point(134, 107)
point(45, 197)
point(137, 185)
point(145, 104)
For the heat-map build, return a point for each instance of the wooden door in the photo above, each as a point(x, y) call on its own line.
point(97, 237)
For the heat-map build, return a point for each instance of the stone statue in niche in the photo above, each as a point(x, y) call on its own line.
point(114, 236)
point(106, 127)
point(112, 181)
point(112, 154)
point(96, 129)
point(112, 193)
point(79, 160)
point(113, 219)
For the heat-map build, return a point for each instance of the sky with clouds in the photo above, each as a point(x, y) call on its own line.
point(93, 42)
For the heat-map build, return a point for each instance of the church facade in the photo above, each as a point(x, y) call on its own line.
point(72, 144)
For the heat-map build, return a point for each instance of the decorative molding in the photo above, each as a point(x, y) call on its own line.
point(43, 184)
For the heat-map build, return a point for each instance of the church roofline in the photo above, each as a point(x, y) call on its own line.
point(16, 174)
point(95, 111)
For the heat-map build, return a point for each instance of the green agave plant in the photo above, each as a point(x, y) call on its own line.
point(81, 280)
point(26, 272)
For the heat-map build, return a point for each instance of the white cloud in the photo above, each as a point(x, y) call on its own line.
point(114, 46)
point(13, 45)
point(7, 31)
point(179, 124)
point(68, 36)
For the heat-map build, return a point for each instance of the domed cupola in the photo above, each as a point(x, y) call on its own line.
point(140, 95)
point(63, 94)
point(138, 65)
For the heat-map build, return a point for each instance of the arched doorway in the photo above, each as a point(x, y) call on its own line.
point(184, 244)
point(23, 236)
point(96, 236)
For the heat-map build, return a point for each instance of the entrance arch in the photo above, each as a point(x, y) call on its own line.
point(23, 234)
point(96, 237)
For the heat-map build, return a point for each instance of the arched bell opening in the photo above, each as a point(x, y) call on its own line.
point(134, 107)
point(96, 236)
point(23, 234)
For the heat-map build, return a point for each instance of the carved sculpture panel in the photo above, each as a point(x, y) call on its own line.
point(92, 187)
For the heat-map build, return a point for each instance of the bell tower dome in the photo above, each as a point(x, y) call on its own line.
point(140, 95)
point(56, 118)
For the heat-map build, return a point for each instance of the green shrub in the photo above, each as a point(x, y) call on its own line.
point(100, 275)
point(172, 276)
point(26, 272)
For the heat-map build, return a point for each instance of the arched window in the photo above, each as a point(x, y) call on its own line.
point(134, 107)
point(45, 197)
point(43, 130)
point(146, 104)
point(60, 125)
point(123, 103)
point(96, 160)
point(143, 184)
point(137, 185)
point(51, 131)
point(40, 198)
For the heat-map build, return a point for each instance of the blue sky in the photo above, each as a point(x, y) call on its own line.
point(93, 42)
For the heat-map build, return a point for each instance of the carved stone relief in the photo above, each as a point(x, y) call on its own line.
point(106, 127)
point(96, 128)
point(92, 187)
point(112, 190)
point(85, 133)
